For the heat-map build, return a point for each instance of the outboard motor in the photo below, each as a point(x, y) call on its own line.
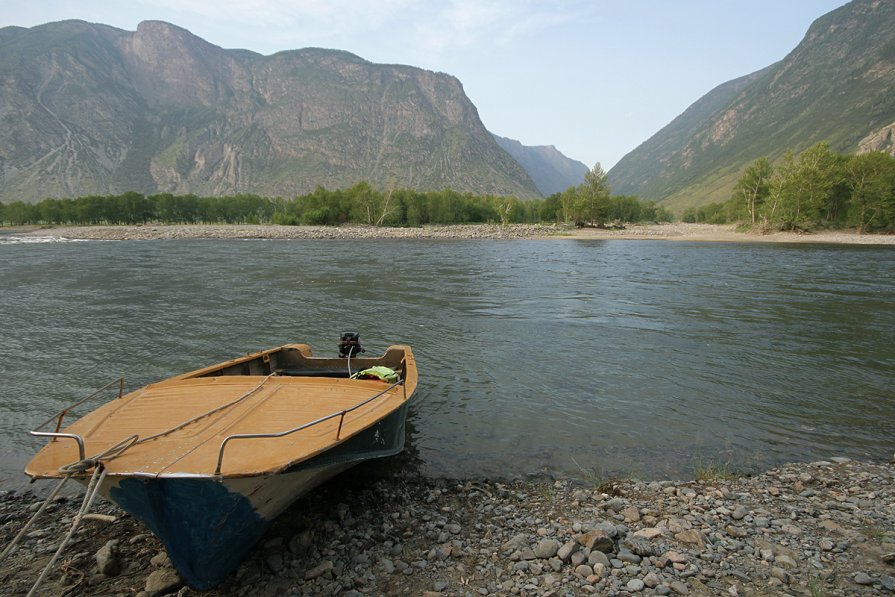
point(349, 345)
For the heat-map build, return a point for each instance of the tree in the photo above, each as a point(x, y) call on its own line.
point(871, 178)
point(813, 181)
point(755, 186)
point(570, 205)
point(593, 197)
point(364, 203)
point(507, 208)
point(551, 209)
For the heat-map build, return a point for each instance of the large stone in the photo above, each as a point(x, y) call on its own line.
point(566, 551)
point(784, 561)
point(319, 570)
point(546, 549)
point(107, 560)
point(672, 557)
point(386, 566)
point(651, 580)
point(780, 574)
point(691, 537)
point(596, 539)
point(598, 557)
point(640, 546)
point(649, 533)
point(161, 560)
point(518, 541)
point(162, 582)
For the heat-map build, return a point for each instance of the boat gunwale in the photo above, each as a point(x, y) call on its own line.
point(408, 381)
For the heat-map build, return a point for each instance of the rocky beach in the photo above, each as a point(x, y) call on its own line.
point(821, 528)
point(671, 232)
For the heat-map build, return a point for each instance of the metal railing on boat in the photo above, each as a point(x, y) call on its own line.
point(61, 415)
point(341, 414)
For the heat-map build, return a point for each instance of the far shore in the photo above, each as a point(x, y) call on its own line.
point(670, 232)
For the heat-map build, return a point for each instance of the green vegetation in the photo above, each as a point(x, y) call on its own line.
point(816, 189)
point(589, 204)
point(713, 471)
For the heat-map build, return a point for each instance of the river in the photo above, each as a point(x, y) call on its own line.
point(582, 358)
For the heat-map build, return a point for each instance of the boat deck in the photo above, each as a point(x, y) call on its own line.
point(181, 424)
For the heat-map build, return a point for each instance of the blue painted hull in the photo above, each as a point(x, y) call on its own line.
point(209, 525)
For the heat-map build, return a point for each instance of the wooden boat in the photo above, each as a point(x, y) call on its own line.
point(209, 458)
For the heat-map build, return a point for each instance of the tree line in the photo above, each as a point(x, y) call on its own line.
point(815, 189)
point(588, 204)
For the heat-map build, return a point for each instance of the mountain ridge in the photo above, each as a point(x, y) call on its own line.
point(551, 171)
point(834, 86)
point(91, 109)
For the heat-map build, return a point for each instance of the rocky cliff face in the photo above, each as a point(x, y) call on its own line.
point(92, 109)
point(835, 86)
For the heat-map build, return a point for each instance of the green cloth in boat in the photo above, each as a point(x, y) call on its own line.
point(379, 372)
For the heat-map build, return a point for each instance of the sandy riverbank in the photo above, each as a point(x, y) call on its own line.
point(824, 528)
point(671, 232)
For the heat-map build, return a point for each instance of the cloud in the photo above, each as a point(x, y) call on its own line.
point(281, 14)
point(429, 28)
point(463, 23)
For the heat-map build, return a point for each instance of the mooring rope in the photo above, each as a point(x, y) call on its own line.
point(11, 548)
point(96, 481)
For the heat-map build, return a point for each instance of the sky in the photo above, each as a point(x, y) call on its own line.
point(594, 78)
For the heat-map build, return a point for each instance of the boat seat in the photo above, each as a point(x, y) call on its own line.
point(295, 372)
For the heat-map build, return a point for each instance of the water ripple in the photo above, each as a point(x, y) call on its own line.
point(638, 357)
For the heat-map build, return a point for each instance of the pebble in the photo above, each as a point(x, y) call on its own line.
point(635, 584)
point(774, 533)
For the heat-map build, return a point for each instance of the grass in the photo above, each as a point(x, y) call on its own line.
point(875, 532)
point(816, 587)
point(591, 476)
point(713, 471)
point(598, 479)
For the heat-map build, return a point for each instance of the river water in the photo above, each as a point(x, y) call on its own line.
point(583, 358)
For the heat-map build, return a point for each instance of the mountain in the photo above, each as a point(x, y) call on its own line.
point(91, 109)
point(551, 171)
point(835, 86)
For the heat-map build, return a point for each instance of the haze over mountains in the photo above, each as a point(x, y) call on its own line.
point(91, 109)
point(837, 85)
point(551, 171)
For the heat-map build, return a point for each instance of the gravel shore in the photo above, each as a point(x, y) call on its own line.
point(678, 231)
point(825, 528)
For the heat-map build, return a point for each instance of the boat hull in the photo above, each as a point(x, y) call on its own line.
point(208, 525)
